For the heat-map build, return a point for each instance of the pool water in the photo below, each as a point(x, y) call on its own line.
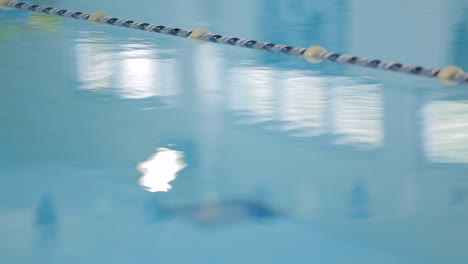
point(124, 146)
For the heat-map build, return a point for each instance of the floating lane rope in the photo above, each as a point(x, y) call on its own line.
point(315, 54)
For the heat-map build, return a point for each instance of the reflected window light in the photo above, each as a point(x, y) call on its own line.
point(445, 131)
point(94, 65)
point(357, 114)
point(304, 104)
point(160, 169)
point(252, 92)
point(209, 73)
point(237, 91)
point(138, 72)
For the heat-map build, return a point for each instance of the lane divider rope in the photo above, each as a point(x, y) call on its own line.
point(449, 75)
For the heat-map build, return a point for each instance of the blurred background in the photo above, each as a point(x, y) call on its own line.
point(119, 145)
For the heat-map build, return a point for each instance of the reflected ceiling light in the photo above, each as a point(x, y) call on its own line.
point(160, 169)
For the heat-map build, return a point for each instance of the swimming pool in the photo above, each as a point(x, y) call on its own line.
point(125, 146)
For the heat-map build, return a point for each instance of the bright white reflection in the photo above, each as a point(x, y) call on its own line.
point(446, 131)
point(294, 97)
point(303, 103)
point(141, 73)
point(94, 65)
point(160, 169)
point(138, 72)
point(357, 111)
point(306, 104)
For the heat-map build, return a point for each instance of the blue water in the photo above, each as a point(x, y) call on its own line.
point(123, 146)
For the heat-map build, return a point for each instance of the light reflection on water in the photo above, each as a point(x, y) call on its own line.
point(131, 71)
point(137, 75)
point(445, 133)
point(304, 103)
point(357, 113)
point(208, 73)
point(95, 65)
point(160, 169)
point(310, 104)
point(252, 92)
